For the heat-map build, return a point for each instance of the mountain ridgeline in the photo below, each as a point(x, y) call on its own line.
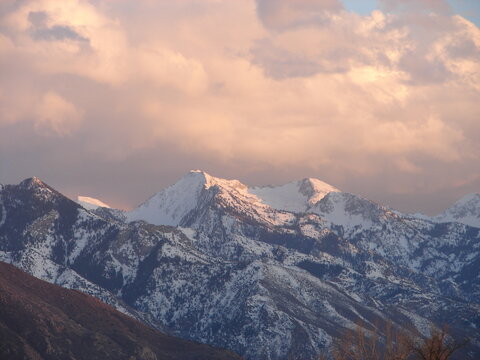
point(267, 272)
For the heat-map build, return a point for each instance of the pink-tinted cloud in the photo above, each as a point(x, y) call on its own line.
point(56, 116)
point(382, 102)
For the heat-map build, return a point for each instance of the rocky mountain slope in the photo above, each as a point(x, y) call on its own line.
point(39, 320)
point(270, 273)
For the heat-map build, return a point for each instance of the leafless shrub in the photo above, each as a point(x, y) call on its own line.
point(395, 344)
point(439, 346)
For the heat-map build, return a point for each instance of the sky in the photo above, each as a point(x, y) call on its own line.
point(119, 99)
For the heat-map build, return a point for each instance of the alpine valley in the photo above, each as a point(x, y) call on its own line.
point(272, 272)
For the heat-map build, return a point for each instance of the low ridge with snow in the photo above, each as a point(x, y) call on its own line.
point(90, 203)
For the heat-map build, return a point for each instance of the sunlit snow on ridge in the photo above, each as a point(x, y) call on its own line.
point(90, 203)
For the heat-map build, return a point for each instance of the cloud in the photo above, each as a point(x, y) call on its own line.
point(164, 67)
point(56, 116)
point(73, 38)
point(57, 32)
point(49, 113)
point(381, 102)
point(284, 14)
point(350, 41)
point(40, 30)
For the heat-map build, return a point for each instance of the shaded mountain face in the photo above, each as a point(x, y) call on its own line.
point(39, 320)
point(211, 260)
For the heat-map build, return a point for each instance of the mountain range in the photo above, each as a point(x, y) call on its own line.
point(270, 272)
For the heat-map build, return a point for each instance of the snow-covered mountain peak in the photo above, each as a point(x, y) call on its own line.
point(90, 203)
point(466, 211)
point(210, 181)
point(199, 178)
point(296, 196)
point(175, 204)
point(194, 179)
point(172, 204)
point(32, 182)
point(39, 189)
